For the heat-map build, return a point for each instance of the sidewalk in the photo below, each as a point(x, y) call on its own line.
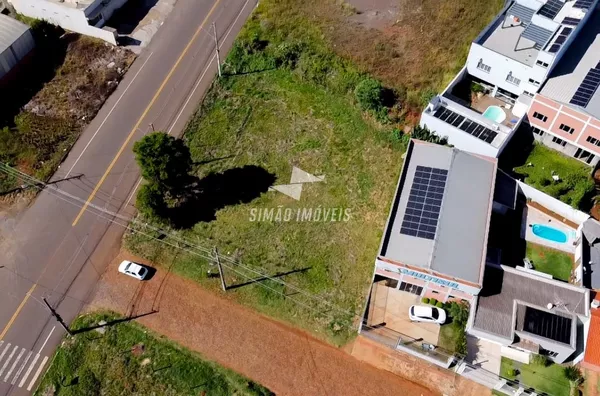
point(282, 358)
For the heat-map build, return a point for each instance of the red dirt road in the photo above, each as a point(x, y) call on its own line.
point(282, 358)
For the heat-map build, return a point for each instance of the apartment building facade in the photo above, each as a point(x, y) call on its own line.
point(565, 114)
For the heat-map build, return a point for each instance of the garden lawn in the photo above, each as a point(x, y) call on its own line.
point(129, 359)
point(575, 186)
point(550, 261)
point(448, 336)
point(549, 379)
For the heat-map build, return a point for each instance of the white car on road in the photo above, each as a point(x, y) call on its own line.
point(130, 268)
point(427, 313)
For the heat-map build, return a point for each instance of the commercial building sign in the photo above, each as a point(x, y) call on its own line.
point(429, 278)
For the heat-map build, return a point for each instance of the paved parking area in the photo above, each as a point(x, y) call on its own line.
point(484, 354)
point(391, 307)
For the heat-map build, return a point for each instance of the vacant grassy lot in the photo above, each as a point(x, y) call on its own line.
point(550, 261)
point(287, 100)
point(575, 186)
point(549, 379)
point(407, 52)
point(53, 96)
point(129, 359)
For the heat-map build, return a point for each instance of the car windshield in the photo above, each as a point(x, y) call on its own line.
point(127, 266)
point(435, 314)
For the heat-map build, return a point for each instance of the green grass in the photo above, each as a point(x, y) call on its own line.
point(301, 115)
point(549, 379)
point(93, 364)
point(576, 184)
point(550, 261)
point(448, 336)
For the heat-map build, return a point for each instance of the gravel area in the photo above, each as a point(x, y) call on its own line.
point(282, 358)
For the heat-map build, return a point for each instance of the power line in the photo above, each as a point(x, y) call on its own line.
point(206, 253)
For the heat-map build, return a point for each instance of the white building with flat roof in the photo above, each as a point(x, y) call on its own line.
point(81, 16)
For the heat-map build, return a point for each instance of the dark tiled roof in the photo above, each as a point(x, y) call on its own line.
point(501, 288)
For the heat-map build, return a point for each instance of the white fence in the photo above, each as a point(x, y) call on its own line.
point(553, 204)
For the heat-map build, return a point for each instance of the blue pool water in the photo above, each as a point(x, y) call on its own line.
point(495, 114)
point(549, 233)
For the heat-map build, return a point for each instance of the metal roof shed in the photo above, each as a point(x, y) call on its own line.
point(16, 41)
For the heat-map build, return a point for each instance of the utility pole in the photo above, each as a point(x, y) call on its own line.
point(221, 275)
point(58, 318)
point(217, 48)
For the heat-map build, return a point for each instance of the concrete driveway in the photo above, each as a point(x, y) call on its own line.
point(485, 354)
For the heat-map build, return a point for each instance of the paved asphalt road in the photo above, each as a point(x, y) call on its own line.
point(58, 251)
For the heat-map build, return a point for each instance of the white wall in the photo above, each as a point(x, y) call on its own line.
point(553, 204)
point(500, 65)
point(458, 138)
point(67, 17)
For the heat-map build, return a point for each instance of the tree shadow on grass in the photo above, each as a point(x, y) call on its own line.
point(204, 197)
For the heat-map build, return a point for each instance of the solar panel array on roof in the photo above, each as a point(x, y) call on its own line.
point(560, 39)
point(551, 8)
point(547, 325)
point(521, 12)
point(583, 4)
point(424, 202)
point(537, 34)
point(571, 21)
point(587, 88)
point(461, 122)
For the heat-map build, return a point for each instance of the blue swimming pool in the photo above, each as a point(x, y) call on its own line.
point(495, 114)
point(549, 233)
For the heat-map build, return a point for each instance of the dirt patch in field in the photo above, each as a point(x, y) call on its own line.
point(415, 46)
point(286, 360)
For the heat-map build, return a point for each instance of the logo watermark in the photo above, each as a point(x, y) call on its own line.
point(281, 214)
point(286, 215)
point(294, 189)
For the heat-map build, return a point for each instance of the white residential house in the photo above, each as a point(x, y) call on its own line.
point(507, 63)
point(82, 16)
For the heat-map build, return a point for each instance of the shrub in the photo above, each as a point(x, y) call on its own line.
point(512, 372)
point(433, 301)
point(573, 373)
point(540, 360)
point(459, 312)
point(439, 304)
point(369, 94)
point(425, 300)
point(423, 133)
point(477, 88)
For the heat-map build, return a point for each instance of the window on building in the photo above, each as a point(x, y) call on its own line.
point(512, 80)
point(540, 116)
point(592, 140)
point(528, 94)
point(483, 66)
point(542, 64)
point(537, 131)
point(536, 83)
point(566, 128)
point(584, 155)
point(408, 287)
point(559, 141)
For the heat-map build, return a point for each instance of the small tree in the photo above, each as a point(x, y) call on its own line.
point(369, 94)
point(150, 201)
point(540, 360)
point(164, 160)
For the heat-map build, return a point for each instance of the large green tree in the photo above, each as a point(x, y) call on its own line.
point(164, 160)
